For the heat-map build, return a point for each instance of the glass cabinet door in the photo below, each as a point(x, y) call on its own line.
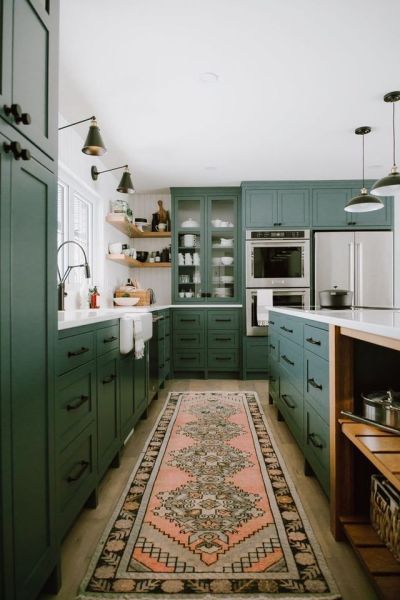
point(223, 248)
point(190, 248)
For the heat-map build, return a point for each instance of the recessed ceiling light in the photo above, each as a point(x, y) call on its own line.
point(209, 77)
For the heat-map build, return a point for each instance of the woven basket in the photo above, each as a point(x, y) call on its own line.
point(385, 513)
point(143, 295)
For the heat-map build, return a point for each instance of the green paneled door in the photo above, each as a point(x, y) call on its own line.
point(127, 400)
point(294, 208)
point(108, 433)
point(328, 207)
point(261, 208)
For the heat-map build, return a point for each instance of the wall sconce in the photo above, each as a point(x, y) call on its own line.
point(94, 144)
point(125, 185)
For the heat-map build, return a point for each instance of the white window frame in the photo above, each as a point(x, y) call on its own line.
point(72, 187)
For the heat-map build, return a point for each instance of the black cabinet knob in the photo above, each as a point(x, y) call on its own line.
point(17, 151)
point(16, 111)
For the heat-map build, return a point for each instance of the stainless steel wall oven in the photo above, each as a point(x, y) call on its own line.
point(299, 298)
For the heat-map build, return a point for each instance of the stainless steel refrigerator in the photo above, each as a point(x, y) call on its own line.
point(360, 261)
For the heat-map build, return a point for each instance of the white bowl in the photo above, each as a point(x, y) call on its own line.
point(226, 242)
point(226, 278)
point(226, 260)
point(126, 301)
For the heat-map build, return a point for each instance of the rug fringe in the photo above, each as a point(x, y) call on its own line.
point(262, 596)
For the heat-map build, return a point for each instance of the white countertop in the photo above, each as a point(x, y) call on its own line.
point(75, 318)
point(384, 322)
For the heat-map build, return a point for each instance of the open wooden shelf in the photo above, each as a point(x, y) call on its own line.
point(127, 261)
point(122, 224)
point(381, 566)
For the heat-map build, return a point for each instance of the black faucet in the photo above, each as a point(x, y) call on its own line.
point(61, 286)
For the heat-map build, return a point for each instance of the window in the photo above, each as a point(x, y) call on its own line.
point(74, 222)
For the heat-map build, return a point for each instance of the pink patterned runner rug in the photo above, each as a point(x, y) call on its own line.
point(209, 511)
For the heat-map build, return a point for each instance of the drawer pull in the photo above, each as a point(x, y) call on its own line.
point(188, 357)
point(161, 339)
point(314, 440)
point(188, 320)
point(78, 352)
point(109, 379)
point(223, 339)
point(223, 358)
point(81, 401)
point(272, 347)
point(223, 320)
point(83, 466)
point(272, 322)
point(286, 329)
point(286, 359)
point(110, 339)
point(312, 341)
point(286, 401)
point(314, 384)
point(193, 339)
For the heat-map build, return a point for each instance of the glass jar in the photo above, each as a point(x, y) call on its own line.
point(119, 206)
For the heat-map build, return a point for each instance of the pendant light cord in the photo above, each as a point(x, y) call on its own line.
point(394, 138)
point(363, 160)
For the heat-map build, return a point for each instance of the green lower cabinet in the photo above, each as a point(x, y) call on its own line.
point(274, 380)
point(316, 445)
point(126, 394)
point(290, 404)
point(140, 384)
point(108, 429)
point(255, 357)
point(206, 341)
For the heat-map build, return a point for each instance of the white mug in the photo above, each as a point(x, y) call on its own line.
point(161, 227)
point(115, 248)
point(189, 240)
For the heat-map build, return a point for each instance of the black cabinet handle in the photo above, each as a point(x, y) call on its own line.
point(188, 357)
point(109, 379)
point(110, 339)
point(352, 223)
point(223, 358)
point(314, 384)
point(314, 440)
point(272, 322)
point(222, 339)
point(286, 401)
point(223, 320)
point(81, 401)
point(188, 339)
point(83, 466)
point(78, 352)
point(312, 341)
point(17, 151)
point(16, 111)
point(286, 359)
point(286, 329)
point(272, 346)
point(277, 224)
point(161, 339)
point(188, 320)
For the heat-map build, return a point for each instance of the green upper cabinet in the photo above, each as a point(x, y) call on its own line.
point(31, 49)
point(205, 245)
point(328, 207)
point(269, 207)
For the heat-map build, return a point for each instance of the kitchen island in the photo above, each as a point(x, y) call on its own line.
point(321, 362)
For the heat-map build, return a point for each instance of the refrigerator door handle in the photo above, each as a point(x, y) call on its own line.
point(359, 279)
point(351, 269)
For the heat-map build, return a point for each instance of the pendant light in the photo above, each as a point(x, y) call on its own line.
point(390, 185)
point(364, 202)
point(94, 144)
point(125, 185)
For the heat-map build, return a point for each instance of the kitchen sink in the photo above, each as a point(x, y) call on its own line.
point(128, 332)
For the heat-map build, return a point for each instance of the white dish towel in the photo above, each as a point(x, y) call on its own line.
point(264, 303)
point(138, 338)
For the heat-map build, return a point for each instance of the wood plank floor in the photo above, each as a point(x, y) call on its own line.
point(81, 541)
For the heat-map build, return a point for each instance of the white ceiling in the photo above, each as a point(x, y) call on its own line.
point(295, 77)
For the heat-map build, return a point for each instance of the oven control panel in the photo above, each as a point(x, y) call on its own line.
point(277, 234)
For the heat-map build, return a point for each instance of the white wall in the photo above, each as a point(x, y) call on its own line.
point(105, 274)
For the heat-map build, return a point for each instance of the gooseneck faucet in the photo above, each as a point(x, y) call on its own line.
point(61, 286)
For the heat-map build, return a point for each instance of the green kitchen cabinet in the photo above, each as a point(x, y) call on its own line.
point(269, 207)
point(140, 384)
point(108, 424)
point(206, 252)
point(376, 218)
point(126, 392)
point(255, 357)
point(29, 61)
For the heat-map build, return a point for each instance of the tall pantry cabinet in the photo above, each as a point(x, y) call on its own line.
point(28, 305)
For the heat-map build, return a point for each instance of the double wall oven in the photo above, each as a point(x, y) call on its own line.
point(278, 261)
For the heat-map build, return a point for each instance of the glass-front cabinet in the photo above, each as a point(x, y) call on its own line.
point(205, 245)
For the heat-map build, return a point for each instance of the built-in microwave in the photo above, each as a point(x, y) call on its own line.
point(294, 298)
point(278, 259)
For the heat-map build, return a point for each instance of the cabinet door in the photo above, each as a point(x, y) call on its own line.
point(34, 75)
point(140, 385)
point(328, 207)
point(294, 208)
point(5, 54)
point(261, 208)
point(126, 394)
point(107, 411)
point(376, 218)
point(28, 238)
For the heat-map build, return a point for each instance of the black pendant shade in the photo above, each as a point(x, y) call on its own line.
point(364, 202)
point(390, 185)
point(94, 144)
point(125, 186)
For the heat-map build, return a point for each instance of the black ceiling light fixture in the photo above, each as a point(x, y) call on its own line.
point(94, 144)
point(125, 185)
point(364, 202)
point(389, 185)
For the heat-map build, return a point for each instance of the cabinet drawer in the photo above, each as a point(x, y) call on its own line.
point(167, 323)
point(188, 359)
point(316, 444)
point(274, 322)
point(316, 340)
point(291, 362)
point(291, 328)
point(76, 402)
point(188, 339)
point(223, 360)
point(223, 339)
point(188, 319)
point(107, 339)
point(291, 406)
point(77, 467)
point(273, 346)
point(316, 384)
point(274, 380)
point(256, 353)
point(74, 351)
point(223, 319)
